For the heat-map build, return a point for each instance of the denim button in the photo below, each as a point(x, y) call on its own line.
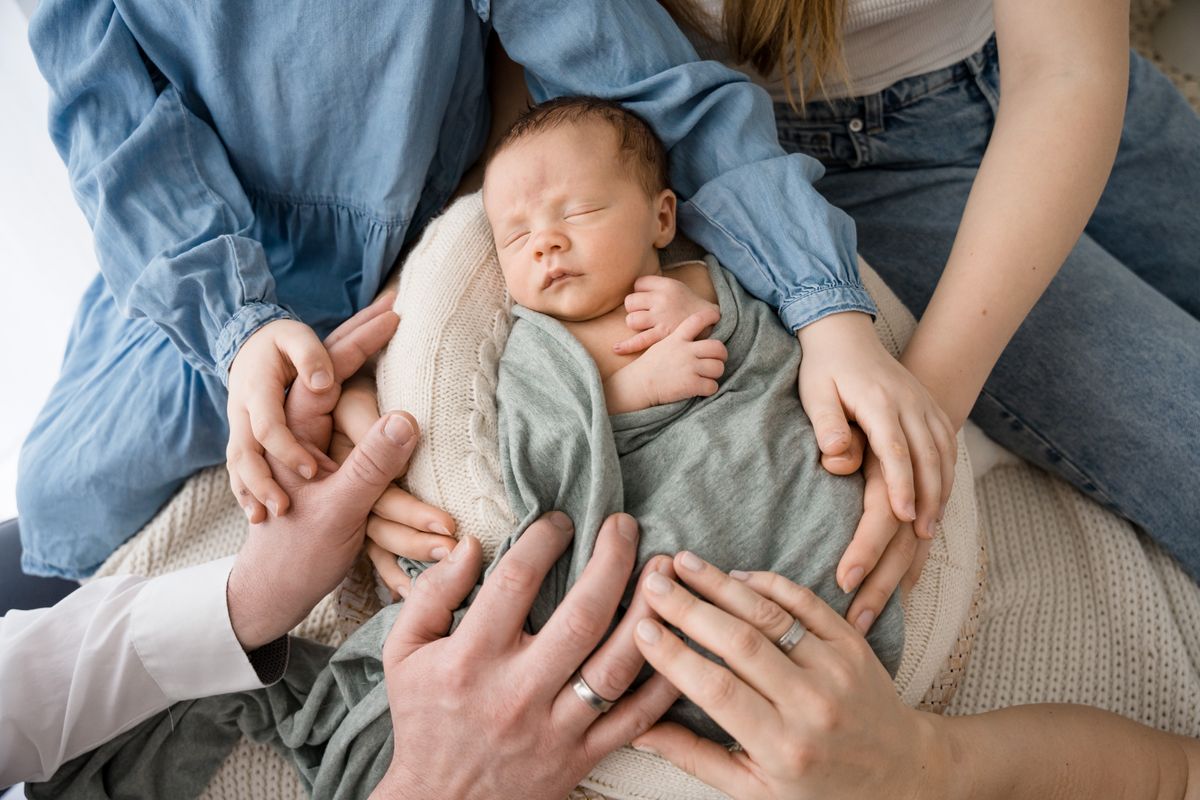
point(856, 125)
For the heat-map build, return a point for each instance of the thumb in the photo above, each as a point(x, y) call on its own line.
point(430, 606)
point(703, 758)
point(824, 409)
point(309, 357)
point(691, 327)
point(375, 462)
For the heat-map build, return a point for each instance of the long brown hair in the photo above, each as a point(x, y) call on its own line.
point(801, 39)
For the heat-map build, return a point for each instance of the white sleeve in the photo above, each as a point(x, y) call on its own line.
point(110, 655)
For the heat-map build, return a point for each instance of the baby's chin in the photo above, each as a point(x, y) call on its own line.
point(566, 308)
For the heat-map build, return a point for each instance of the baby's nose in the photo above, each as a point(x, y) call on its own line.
point(550, 242)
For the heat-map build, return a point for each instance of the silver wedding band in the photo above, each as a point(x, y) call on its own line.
point(588, 695)
point(791, 636)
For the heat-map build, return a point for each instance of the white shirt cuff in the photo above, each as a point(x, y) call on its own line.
point(182, 634)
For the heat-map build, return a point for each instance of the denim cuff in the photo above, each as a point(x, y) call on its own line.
point(821, 301)
point(238, 329)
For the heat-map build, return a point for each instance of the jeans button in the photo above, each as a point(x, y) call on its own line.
point(856, 125)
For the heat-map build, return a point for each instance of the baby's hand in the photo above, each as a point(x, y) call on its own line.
point(267, 363)
point(676, 368)
point(399, 524)
point(656, 308)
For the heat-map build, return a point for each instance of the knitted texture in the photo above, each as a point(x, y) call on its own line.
point(1080, 609)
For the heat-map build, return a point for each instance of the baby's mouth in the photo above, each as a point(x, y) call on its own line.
point(555, 275)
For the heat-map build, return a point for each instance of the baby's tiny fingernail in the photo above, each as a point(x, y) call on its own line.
point(249, 512)
point(942, 513)
point(305, 471)
point(910, 512)
point(853, 578)
point(321, 379)
point(459, 550)
point(273, 507)
point(439, 553)
point(863, 623)
point(645, 748)
point(438, 527)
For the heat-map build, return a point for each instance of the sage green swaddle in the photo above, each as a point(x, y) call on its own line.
point(734, 477)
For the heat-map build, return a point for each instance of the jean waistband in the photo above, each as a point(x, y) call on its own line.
point(871, 108)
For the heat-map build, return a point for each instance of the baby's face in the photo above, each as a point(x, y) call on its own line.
point(573, 228)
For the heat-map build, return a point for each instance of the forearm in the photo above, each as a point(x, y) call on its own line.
point(1038, 184)
point(1062, 751)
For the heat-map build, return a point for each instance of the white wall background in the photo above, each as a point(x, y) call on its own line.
point(46, 257)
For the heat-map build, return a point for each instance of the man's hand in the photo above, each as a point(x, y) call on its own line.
point(656, 307)
point(502, 719)
point(288, 564)
point(265, 366)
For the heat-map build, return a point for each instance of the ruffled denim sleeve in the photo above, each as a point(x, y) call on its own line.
point(743, 199)
point(170, 218)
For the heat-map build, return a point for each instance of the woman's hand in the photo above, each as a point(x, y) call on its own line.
point(820, 721)
point(847, 374)
point(399, 524)
point(489, 711)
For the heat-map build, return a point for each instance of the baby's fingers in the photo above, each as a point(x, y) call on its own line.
point(394, 578)
point(889, 444)
point(406, 541)
point(398, 505)
point(241, 444)
point(357, 409)
point(638, 342)
point(299, 343)
point(691, 328)
point(881, 584)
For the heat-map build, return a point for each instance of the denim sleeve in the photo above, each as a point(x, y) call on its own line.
point(742, 198)
point(170, 218)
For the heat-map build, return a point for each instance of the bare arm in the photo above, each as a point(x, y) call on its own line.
point(1065, 69)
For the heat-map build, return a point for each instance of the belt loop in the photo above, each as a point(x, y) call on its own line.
point(873, 112)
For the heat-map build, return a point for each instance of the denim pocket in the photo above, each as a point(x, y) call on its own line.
point(809, 141)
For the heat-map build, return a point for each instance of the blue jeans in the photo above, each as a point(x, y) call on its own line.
point(1101, 384)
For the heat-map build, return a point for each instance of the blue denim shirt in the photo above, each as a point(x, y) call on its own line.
point(241, 162)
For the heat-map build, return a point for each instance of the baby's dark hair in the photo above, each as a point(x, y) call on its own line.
point(639, 149)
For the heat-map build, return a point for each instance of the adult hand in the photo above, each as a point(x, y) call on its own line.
point(884, 552)
point(846, 374)
point(820, 721)
point(501, 718)
point(287, 564)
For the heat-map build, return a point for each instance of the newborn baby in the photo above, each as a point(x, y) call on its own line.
point(610, 396)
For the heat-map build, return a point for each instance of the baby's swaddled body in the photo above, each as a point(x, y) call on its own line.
point(734, 477)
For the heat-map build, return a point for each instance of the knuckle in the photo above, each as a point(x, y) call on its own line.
point(584, 624)
point(746, 641)
point(612, 676)
point(797, 755)
point(898, 448)
point(822, 711)
point(365, 468)
point(514, 576)
point(717, 688)
point(767, 616)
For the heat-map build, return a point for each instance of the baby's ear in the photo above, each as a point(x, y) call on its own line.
point(664, 206)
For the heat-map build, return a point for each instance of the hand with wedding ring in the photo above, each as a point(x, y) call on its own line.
point(493, 711)
point(814, 710)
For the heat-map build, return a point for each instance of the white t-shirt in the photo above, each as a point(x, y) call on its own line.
point(884, 41)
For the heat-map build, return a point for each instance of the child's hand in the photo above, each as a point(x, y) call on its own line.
point(847, 374)
point(656, 308)
point(264, 367)
point(677, 368)
point(399, 524)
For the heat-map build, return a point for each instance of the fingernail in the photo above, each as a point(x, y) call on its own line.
point(273, 507)
point(738, 575)
point(561, 521)
point(690, 560)
point(439, 553)
point(321, 379)
point(645, 748)
point(398, 429)
point(648, 631)
point(911, 511)
point(401, 590)
point(627, 527)
point(438, 527)
point(863, 623)
point(305, 471)
point(459, 549)
point(657, 584)
point(853, 578)
point(249, 511)
point(942, 513)
point(831, 440)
